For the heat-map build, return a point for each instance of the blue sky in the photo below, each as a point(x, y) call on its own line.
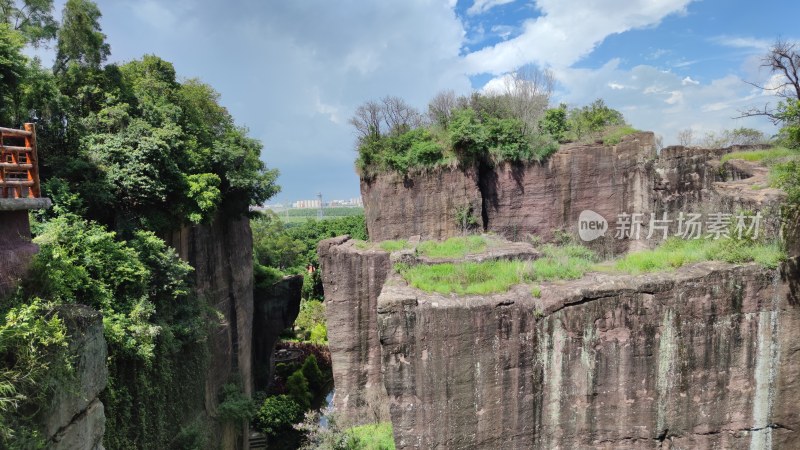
point(294, 71)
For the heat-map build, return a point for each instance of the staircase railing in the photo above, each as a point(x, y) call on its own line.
point(19, 166)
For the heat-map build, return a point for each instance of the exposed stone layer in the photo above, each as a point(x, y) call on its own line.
point(537, 199)
point(518, 201)
point(425, 203)
point(705, 357)
point(222, 256)
point(276, 309)
point(353, 279)
point(74, 419)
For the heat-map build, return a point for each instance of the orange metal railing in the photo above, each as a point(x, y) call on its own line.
point(19, 166)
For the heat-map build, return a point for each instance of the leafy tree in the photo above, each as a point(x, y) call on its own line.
point(80, 38)
point(12, 70)
point(591, 119)
point(554, 122)
point(32, 18)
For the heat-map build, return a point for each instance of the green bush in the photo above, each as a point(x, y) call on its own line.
point(310, 323)
point(235, 406)
point(298, 389)
point(284, 370)
point(319, 334)
point(277, 414)
point(33, 348)
point(377, 436)
point(554, 122)
point(312, 373)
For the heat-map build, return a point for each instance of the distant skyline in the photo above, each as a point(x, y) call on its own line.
point(294, 72)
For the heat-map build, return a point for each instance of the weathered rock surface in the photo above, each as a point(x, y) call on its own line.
point(353, 279)
point(518, 201)
point(537, 199)
point(222, 256)
point(276, 309)
point(74, 418)
point(425, 204)
point(705, 357)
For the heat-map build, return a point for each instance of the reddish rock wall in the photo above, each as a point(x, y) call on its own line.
point(537, 199)
point(702, 358)
point(425, 203)
point(353, 279)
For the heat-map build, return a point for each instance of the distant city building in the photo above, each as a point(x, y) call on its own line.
point(354, 202)
point(306, 204)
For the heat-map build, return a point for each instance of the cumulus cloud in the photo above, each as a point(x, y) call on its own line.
point(661, 101)
point(567, 30)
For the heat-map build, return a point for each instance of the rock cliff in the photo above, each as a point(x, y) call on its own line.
point(353, 279)
point(701, 358)
point(74, 418)
point(276, 309)
point(522, 200)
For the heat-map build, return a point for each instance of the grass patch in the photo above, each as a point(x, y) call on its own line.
point(536, 291)
point(565, 262)
point(767, 157)
point(490, 277)
point(456, 247)
point(469, 278)
point(376, 436)
point(393, 246)
point(361, 245)
point(676, 252)
point(615, 134)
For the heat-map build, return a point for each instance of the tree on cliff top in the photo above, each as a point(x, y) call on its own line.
point(783, 63)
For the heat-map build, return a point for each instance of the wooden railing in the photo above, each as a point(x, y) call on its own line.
point(19, 166)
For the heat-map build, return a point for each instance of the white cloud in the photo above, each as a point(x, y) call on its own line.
point(688, 80)
point(662, 102)
point(553, 39)
point(616, 86)
point(742, 42)
point(481, 6)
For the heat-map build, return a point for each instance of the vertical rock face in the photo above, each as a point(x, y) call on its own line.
point(222, 256)
point(514, 200)
point(702, 358)
point(353, 279)
point(426, 204)
point(74, 418)
point(537, 199)
point(275, 310)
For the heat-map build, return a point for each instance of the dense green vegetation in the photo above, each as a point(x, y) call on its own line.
point(514, 126)
point(281, 250)
point(127, 153)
